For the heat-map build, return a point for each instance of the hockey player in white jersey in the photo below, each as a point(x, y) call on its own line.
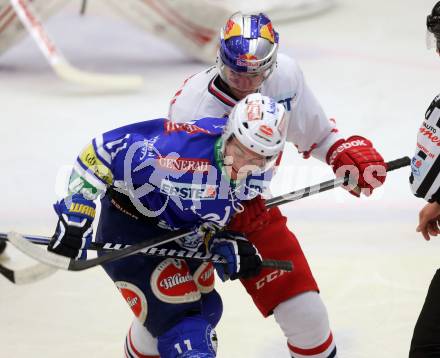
point(247, 62)
point(425, 183)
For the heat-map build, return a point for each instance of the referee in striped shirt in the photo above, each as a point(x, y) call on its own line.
point(425, 183)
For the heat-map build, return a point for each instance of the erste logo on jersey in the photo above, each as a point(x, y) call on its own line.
point(172, 282)
point(184, 127)
point(184, 165)
point(188, 191)
point(135, 298)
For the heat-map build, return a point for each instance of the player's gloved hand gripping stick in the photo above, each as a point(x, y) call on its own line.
point(65, 263)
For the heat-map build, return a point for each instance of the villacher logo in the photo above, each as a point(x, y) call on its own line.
point(172, 282)
point(135, 299)
point(175, 280)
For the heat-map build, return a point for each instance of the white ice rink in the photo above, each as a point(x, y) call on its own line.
point(367, 63)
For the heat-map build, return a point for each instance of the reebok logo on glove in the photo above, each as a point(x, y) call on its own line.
point(345, 146)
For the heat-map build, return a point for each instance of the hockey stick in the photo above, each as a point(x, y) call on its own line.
point(50, 262)
point(40, 271)
point(157, 251)
point(60, 65)
point(329, 184)
point(66, 263)
point(27, 275)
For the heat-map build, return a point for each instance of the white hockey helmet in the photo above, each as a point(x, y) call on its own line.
point(258, 123)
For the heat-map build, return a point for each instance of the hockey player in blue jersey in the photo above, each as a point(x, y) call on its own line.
point(159, 175)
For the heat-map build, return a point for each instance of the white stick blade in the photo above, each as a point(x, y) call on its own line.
point(106, 81)
point(33, 274)
point(38, 253)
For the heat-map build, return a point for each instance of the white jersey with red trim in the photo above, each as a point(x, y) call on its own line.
point(309, 128)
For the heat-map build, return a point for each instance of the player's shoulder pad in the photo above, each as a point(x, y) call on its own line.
point(139, 129)
point(190, 96)
point(286, 64)
point(119, 141)
point(214, 125)
point(286, 72)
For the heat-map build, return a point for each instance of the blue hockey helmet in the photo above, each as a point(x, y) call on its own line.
point(248, 45)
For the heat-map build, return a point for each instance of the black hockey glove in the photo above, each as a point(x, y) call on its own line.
point(243, 259)
point(74, 230)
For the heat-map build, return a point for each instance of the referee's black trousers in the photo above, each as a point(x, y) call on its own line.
point(425, 342)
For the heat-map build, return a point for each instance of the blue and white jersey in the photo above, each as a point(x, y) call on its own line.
point(170, 171)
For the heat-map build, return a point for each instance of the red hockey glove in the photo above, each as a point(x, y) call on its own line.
point(358, 156)
point(254, 217)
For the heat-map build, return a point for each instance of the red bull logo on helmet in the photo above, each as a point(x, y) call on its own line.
point(247, 59)
point(231, 29)
point(267, 32)
point(248, 56)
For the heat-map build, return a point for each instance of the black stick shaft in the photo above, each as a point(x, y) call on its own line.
point(398, 163)
point(327, 185)
point(161, 252)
